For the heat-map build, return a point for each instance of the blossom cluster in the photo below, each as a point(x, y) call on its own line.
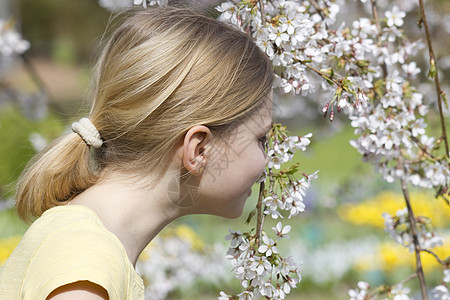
point(368, 68)
point(177, 259)
point(399, 228)
point(11, 42)
point(258, 266)
point(376, 91)
point(363, 292)
point(442, 291)
point(290, 192)
point(256, 262)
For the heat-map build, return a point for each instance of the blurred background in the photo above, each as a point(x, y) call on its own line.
point(339, 240)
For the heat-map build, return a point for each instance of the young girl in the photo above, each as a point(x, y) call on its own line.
point(181, 107)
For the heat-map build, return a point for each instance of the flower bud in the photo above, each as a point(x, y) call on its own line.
point(325, 110)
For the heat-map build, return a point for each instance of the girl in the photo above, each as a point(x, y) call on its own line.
point(181, 107)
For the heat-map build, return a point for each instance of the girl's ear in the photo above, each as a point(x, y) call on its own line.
point(195, 143)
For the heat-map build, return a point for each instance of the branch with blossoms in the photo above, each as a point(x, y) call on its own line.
point(433, 73)
point(256, 261)
point(13, 47)
point(369, 69)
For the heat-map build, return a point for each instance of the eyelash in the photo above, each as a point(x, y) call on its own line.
point(263, 142)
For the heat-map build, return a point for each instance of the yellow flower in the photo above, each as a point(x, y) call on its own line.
point(369, 212)
point(389, 256)
point(7, 246)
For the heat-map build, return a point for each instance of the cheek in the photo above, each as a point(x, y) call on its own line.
point(254, 167)
point(261, 161)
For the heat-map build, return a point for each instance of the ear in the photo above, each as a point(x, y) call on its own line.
point(196, 142)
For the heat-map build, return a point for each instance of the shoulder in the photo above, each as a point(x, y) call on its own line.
point(73, 233)
point(71, 245)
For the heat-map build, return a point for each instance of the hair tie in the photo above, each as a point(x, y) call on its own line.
point(87, 131)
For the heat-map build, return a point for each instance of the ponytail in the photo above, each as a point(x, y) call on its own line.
point(54, 176)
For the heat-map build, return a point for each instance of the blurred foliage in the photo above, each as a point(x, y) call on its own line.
point(67, 31)
point(334, 157)
point(15, 147)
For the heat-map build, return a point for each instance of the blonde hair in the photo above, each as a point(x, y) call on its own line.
point(163, 71)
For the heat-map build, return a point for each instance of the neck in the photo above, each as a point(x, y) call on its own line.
point(135, 213)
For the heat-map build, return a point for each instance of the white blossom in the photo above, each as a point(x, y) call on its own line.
point(441, 292)
point(395, 17)
point(11, 42)
point(447, 275)
point(400, 293)
point(360, 292)
point(281, 231)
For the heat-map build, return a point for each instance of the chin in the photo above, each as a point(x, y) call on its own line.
point(234, 211)
point(233, 215)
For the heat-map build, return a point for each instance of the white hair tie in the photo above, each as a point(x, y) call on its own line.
point(87, 131)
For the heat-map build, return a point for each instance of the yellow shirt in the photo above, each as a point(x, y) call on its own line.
point(68, 244)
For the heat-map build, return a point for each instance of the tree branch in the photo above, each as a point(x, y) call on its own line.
point(433, 65)
point(435, 256)
point(385, 289)
point(322, 74)
point(318, 8)
point(375, 16)
point(377, 24)
point(261, 8)
point(34, 75)
point(259, 214)
point(410, 277)
point(417, 249)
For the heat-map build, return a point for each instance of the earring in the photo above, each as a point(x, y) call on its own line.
point(201, 169)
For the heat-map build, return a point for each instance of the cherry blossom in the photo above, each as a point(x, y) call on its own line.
point(395, 17)
point(281, 231)
point(11, 42)
point(268, 247)
point(360, 292)
point(441, 292)
point(400, 293)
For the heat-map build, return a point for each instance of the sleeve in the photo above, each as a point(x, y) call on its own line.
point(74, 254)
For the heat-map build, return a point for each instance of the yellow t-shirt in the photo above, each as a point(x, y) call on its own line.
point(68, 244)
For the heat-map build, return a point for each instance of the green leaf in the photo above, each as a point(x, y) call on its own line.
point(444, 99)
point(250, 216)
point(330, 82)
point(432, 72)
